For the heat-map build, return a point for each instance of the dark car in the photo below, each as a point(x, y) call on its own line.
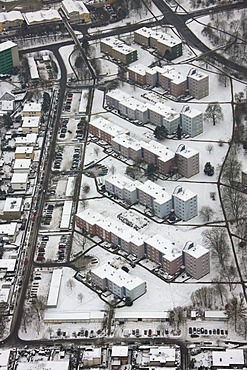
point(194, 335)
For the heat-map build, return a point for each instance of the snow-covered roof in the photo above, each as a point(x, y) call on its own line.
point(70, 186)
point(162, 354)
point(117, 94)
point(90, 216)
point(44, 365)
point(4, 355)
point(197, 75)
point(8, 264)
point(138, 68)
point(215, 315)
point(108, 127)
point(147, 32)
point(7, 96)
point(6, 105)
point(33, 68)
point(187, 152)
point(30, 122)
point(7, 45)
point(196, 250)
point(14, 15)
point(158, 149)
point(155, 191)
point(41, 16)
point(24, 150)
point(164, 246)
point(142, 314)
point(168, 113)
point(120, 351)
point(118, 45)
point(21, 164)
point(123, 182)
point(28, 139)
point(66, 215)
point(32, 107)
point(174, 75)
point(228, 358)
point(8, 229)
point(91, 353)
point(118, 276)
point(128, 142)
point(167, 40)
point(4, 297)
point(73, 316)
point(12, 204)
point(190, 112)
point(19, 178)
point(134, 104)
point(183, 194)
point(54, 287)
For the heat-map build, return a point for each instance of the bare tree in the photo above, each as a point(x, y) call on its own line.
point(219, 289)
point(96, 150)
point(216, 239)
point(113, 169)
point(85, 188)
point(234, 203)
point(70, 284)
point(213, 113)
point(232, 168)
point(80, 297)
point(206, 213)
point(209, 148)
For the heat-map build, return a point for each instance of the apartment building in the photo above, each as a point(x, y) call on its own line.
point(137, 73)
point(184, 203)
point(30, 124)
point(19, 181)
point(122, 187)
point(134, 110)
point(166, 45)
point(191, 121)
point(119, 357)
point(162, 115)
point(105, 129)
point(154, 197)
point(173, 81)
point(31, 109)
point(196, 260)
point(119, 282)
point(163, 252)
point(187, 161)
point(76, 11)
point(87, 220)
point(159, 155)
point(198, 83)
point(9, 57)
point(91, 357)
point(118, 50)
point(12, 208)
point(10, 20)
point(22, 165)
point(24, 152)
point(127, 146)
point(114, 97)
point(43, 16)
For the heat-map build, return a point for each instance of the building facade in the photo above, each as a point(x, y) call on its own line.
point(196, 260)
point(118, 50)
point(9, 57)
point(198, 84)
point(184, 203)
point(187, 161)
point(191, 121)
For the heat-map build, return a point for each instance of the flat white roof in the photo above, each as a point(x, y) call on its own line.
point(138, 68)
point(122, 182)
point(33, 68)
point(141, 314)
point(164, 246)
point(66, 215)
point(54, 287)
point(174, 75)
point(8, 264)
point(168, 113)
point(158, 149)
point(120, 351)
point(134, 104)
point(41, 16)
point(7, 45)
point(197, 75)
point(215, 315)
point(228, 357)
point(183, 194)
point(24, 150)
point(190, 112)
point(4, 355)
point(30, 121)
point(128, 142)
point(28, 139)
point(117, 94)
point(155, 191)
point(187, 152)
point(4, 296)
point(20, 164)
point(71, 316)
point(90, 216)
point(19, 178)
point(14, 15)
point(196, 250)
point(12, 204)
point(117, 276)
point(162, 354)
point(70, 186)
point(32, 107)
point(8, 229)
point(44, 365)
point(108, 126)
point(118, 45)
point(91, 353)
